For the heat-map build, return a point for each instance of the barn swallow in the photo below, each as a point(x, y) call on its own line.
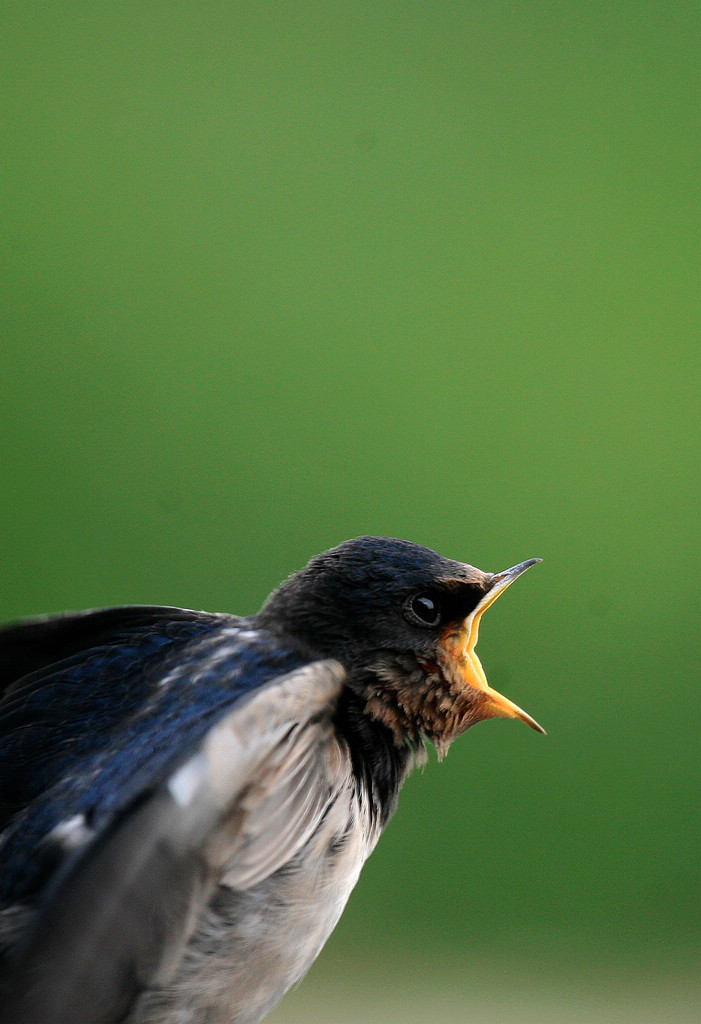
point(187, 798)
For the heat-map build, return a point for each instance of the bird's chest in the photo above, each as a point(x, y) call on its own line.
point(252, 944)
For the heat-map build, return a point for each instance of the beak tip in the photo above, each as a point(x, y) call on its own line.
point(536, 726)
point(528, 563)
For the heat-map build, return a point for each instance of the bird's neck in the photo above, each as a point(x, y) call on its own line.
point(379, 764)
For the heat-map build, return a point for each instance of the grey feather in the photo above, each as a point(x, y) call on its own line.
point(142, 912)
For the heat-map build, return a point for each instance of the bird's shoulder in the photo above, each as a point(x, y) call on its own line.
point(32, 646)
point(113, 701)
point(233, 808)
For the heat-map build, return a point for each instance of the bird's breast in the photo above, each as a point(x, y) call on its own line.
point(253, 942)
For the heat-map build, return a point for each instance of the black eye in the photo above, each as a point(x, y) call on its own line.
point(426, 609)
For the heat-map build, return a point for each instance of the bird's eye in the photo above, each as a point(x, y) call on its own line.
point(425, 609)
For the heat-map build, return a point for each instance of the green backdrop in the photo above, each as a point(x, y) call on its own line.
point(277, 274)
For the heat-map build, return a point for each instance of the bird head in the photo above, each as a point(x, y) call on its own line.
point(404, 622)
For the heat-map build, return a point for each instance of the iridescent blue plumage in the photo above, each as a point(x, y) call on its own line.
point(88, 734)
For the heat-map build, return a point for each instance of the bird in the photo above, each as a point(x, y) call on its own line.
point(187, 798)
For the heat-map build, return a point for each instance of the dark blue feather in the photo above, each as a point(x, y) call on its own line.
point(89, 734)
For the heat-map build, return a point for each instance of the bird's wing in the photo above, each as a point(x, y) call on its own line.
point(31, 646)
point(239, 806)
point(114, 701)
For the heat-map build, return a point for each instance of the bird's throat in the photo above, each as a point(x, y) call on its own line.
point(418, 700)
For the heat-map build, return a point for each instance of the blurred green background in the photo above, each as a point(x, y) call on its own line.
point(278, 274)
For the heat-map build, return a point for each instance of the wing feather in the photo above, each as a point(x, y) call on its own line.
point(238, 808)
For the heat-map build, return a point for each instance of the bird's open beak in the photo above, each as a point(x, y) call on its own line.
point(494, 705)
